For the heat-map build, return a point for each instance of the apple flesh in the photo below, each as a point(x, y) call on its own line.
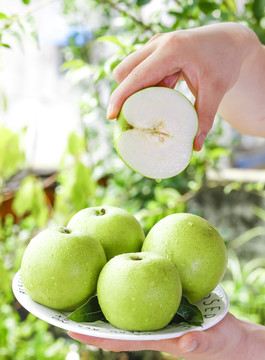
point(154, 132)
point(139, 291)
point(195, 247)
point(60, 267)
point(117, 230)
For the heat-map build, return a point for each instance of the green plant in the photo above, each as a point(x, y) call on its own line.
point(12, 155)
point(245, 281)
point(245, 287)
point(92, 173)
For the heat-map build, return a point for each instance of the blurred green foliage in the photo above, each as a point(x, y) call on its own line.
point(91, 173)
point(12, 154)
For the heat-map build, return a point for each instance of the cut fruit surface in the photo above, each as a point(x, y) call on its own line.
point(154, 132)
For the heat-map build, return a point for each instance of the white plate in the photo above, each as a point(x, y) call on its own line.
point(214, 307)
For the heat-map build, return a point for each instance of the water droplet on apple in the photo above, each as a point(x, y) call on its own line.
point(190, 223)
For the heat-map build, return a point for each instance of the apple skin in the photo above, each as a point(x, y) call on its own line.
point(60, 267)
point(117, 230)
point(195, 247)
point(139, 291)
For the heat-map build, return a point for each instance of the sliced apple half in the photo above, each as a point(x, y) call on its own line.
point(154, 132)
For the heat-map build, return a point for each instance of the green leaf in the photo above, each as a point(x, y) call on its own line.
point(142, 2)
point(258, 9)
point(5, 45)
point(72, 64)
point(84, 186)
point(31, 199)
point(89, 312)
point(188, 313)
point(115, 40)
point(26, 1)
point(3, 16)
point(207, 6)
point(11, 153)
point(76, 144)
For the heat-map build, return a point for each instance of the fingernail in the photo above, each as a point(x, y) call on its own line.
point(190, 346)
point(200, 140)
point(110, 111)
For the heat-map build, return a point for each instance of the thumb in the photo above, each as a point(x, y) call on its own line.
point(194, 343)
point(206, 105)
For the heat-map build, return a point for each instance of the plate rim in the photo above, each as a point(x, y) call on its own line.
point(116, 333)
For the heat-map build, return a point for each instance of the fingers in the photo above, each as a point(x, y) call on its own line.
point(112, 345)
point(149, 72)
point(190, 344)
point(130, 62)
point(206, 107)
point(222, 341)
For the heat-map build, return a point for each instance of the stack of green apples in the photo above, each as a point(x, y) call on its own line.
point(104, 250)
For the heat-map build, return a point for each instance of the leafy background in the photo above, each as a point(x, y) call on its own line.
point(91, 173)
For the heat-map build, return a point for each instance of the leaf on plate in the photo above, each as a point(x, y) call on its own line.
point(88, 312)
point(187, 313)
point(91, 311)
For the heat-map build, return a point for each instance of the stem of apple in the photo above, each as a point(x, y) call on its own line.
point(64, 230)
point(136, 258)
point(101, 212)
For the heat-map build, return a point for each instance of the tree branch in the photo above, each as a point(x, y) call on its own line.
point(137, 21)
point(28, 12)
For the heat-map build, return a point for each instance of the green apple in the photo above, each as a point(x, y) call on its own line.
point(154, 132)
point(60, 267)
point(139, 291)
point(118, 231)
point(195, 247)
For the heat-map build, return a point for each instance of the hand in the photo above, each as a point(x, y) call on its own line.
point(226, 340)
point(209, 59)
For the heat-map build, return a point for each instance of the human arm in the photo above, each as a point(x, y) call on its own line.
point(223, 65)
point(231, 339)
